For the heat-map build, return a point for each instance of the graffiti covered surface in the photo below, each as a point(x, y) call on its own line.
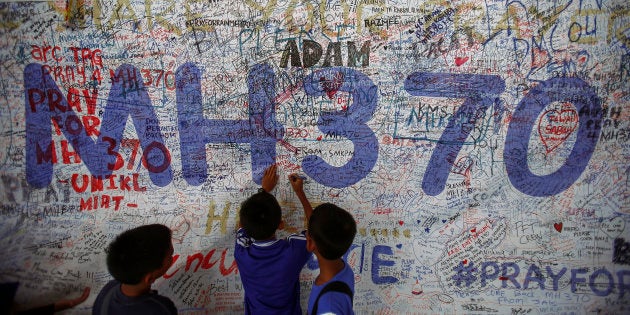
point(482, 146)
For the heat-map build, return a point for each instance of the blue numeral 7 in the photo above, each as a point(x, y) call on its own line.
point(479, 92)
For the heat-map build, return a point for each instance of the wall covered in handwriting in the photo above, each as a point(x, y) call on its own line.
point(482, 146)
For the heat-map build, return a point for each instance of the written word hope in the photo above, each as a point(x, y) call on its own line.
point(261, 130)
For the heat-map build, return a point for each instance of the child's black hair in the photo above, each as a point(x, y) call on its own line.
point(333, 230)
point(260, 215)
point(137, 252)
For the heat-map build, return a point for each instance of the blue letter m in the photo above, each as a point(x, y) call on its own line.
point(127, 97)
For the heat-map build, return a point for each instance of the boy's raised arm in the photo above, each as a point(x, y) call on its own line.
point(270, 178)
point(297, 183)
point(269, 181)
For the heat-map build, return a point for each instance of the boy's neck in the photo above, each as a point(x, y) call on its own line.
point(134, 290)
point(328, 269)
point(271, 238)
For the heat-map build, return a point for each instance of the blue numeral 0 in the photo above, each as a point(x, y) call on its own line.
point(585, 100)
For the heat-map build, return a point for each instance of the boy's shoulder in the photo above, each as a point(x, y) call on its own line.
point(338, 301)
point(111, 300)
point(346, 275)
point(244, 240)
point(164, 303)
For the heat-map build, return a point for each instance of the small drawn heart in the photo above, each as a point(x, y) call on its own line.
point(344, 107)
point(319, 138)
point(558, 227)
point(613, 227)
point(460, 60)
point(465, 261)
point(399, 246)
point(473, 230)
point(444, 221)
point(555, 126)
point(418, 221)
point(401, 222)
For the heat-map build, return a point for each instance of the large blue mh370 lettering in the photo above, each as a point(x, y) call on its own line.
point(261, 130)
point(44, 103)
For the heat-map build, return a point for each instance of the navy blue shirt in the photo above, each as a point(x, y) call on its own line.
point(111, 300)
point(270, 272)
point(333, 303)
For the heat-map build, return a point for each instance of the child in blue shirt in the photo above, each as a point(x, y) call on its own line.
point(331, 231)
point(270, 267)
point(136, 258)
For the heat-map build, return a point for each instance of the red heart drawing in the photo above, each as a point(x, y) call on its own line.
point(558, 227)
point(473, 230)
point(319, 138)
point(460, 60)
point(344, 107)
point(331, 86)
point(465, 261)
point(555, 126)
point(401, 222)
